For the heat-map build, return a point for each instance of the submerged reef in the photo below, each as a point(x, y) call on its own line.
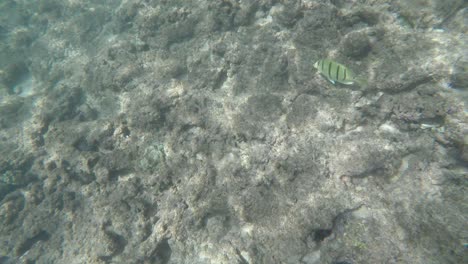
point(200, 132)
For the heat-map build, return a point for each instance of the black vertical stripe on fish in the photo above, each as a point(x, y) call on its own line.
point(337, 71)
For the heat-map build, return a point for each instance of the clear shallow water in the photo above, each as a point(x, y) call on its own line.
point(200, 132)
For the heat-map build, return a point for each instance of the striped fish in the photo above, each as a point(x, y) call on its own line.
point(336, 72)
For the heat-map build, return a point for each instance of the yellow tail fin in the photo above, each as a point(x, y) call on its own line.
point(362, 82)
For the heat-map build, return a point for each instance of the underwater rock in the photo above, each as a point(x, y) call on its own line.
point(459, 78)
point(356, 45)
